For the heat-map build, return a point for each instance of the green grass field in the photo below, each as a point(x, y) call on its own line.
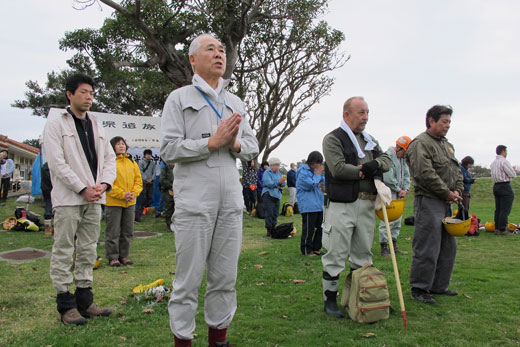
point(272, 310)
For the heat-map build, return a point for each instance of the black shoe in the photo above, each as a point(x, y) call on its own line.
point(396, 249)
point(446, 292)
point(224, 344)
point(330, 306)
point(385, 252)
point(422, 296)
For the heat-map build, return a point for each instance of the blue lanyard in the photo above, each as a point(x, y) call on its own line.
point(209, 102)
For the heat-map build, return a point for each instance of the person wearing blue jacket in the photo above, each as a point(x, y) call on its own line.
point(310, 202)
point(273, 183)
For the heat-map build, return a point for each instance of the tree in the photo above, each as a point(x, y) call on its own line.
point(480, 171)
point(32, 142)
point(282, 70)
point(278, 53)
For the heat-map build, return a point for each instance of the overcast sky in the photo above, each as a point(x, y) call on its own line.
point(406, 56)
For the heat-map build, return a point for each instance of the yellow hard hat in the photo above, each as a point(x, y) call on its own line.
point(456, 227)
point(490, 227)
point(394, 210)
point(512, 226)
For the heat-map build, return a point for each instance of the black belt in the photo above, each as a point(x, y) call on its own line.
point(502, 182)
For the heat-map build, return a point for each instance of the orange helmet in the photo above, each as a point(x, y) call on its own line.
point(403, 142)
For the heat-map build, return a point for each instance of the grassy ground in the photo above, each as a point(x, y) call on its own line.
point(272, 310)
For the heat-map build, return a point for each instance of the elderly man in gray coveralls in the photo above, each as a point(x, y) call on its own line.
point(354, 166)
point(204, 131)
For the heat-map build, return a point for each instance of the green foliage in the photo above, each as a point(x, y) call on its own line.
point(272, 310)
point(278, 55)
point(480, 171)
point(32, 142)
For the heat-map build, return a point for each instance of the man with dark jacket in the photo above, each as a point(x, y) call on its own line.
point(147, 167)
point(291, 183)
point(438, 183)
point(354, 166)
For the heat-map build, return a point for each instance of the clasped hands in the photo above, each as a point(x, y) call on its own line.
point(226, 134)
point(94, 193)
point(454, 197)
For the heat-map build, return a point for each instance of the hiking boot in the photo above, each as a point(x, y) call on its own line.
point(72, 317)
point(396, 249)
point(507, 232)
point(445, 292)
point(331, 306)
point(422, 296)
point(95, 311)
point(269, 229)
point(384, 250)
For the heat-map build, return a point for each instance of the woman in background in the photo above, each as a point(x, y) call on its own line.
point(310, 202)
point(120, 205)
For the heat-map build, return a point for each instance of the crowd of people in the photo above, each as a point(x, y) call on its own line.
point(204, 132)
point(352, 176)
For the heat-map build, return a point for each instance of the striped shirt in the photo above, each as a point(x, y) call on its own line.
point(501, 170)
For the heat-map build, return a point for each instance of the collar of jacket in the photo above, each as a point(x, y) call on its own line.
point(438, 138)
point(206, 88)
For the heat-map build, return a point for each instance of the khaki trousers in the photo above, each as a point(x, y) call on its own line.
point(348, 232)
point(82, 221)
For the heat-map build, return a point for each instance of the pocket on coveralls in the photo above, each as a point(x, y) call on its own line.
point(326, 235)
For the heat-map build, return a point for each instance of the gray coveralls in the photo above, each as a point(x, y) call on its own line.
point(397, 179)
point(208, 205)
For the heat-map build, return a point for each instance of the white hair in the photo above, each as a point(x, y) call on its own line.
point(195, 44)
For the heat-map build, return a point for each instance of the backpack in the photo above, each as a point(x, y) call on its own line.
point(33, 217)
point(287, 210)
point(296, 210)
point(365, 295)
point(260, 211)
point(473, 228)
point(282, 231)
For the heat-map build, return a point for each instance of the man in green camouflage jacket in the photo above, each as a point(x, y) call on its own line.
point(438, 183)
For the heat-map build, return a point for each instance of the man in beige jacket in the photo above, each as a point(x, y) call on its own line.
point(82, 166)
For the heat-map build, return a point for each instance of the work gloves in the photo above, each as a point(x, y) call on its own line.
point(370, 169)
point(384, 194)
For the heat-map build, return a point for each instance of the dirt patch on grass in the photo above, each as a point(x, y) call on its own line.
point(145, 234)
point(23, 254)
